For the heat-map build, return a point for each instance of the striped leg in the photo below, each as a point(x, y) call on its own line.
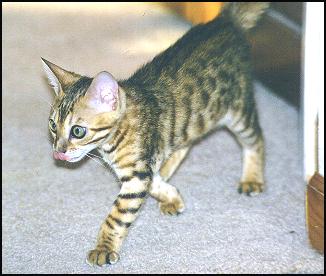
point(248, 132)
point(169, 198)
point(123, 213)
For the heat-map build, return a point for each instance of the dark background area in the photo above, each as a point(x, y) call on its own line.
point(277, 50)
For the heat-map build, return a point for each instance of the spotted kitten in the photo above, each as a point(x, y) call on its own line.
point(145, 125)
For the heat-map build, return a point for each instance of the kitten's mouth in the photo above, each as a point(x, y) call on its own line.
point(65, 157)
point(60, 156)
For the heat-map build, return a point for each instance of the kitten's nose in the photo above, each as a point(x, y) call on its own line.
point(61, 145)
point(60, 155)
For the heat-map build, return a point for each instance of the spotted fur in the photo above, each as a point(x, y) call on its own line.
point(200, 83)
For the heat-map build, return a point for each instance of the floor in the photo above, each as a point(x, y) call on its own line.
point(52, 211)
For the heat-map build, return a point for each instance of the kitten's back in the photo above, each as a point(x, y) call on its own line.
point(193, 84)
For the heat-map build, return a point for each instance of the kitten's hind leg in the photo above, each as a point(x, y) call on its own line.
point(169, 167)
point(169, 198)
point(249, 134)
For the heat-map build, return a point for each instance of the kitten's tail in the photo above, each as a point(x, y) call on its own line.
point(245, 14)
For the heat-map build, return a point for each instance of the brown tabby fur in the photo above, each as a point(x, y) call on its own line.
point(200, 83)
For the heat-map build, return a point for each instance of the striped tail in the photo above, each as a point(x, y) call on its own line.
point(245, 14)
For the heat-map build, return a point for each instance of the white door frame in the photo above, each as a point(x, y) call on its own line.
point(313, 89)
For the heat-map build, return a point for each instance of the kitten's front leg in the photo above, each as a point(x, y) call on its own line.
point(123, 213)
point(168, 196)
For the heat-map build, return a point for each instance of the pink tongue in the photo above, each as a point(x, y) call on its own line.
point(60, 156)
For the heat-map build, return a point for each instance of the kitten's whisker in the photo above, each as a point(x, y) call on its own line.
point(92, 154)
point(98, 156)
point(95, 155)
point(95, 160)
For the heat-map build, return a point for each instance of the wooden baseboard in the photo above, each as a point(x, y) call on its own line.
point(315, 211)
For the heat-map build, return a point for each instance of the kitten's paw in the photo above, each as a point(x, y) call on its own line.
point(102, 257)
point(250, 188)
point(173, 207)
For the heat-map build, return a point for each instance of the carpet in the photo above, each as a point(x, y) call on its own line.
point(52, 211)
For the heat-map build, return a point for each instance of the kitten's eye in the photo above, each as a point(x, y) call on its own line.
point(52, 125)
point(78, 132)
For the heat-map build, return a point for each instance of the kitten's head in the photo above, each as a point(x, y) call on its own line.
point(84, 113)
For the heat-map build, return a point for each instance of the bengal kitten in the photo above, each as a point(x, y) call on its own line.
point(145, 125)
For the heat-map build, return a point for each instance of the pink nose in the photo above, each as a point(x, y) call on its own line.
point(60, 156)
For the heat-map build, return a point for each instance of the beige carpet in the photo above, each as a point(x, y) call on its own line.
point(51, 212)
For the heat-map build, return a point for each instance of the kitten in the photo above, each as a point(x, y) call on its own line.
point(145, 125)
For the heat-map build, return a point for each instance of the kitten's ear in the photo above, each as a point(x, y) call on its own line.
point(103, 93)
point(57, 76)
